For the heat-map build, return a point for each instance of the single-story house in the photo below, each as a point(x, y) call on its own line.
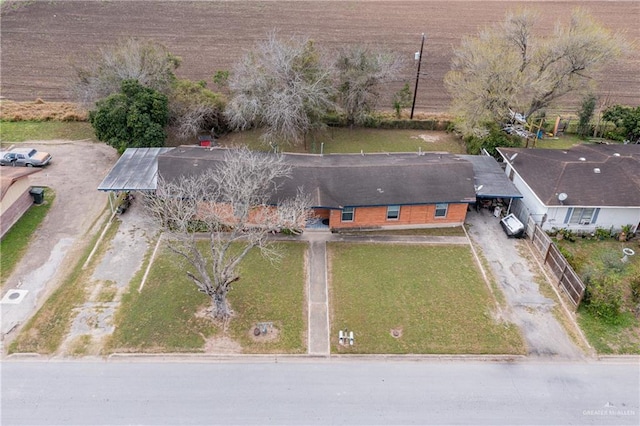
point(362, 191)
point(581, 188)
point(15, 198)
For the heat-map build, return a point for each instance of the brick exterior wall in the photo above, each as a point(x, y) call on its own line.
point(418, 216)
point(15, 212)
point(322, 213)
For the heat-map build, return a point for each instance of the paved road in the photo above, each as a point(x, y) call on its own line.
point(324, 392)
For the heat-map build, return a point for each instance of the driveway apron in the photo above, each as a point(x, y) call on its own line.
point(515, 274)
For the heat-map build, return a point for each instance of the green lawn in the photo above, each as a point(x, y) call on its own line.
point(16, 240)
point(434, 295)
point(163, 317)
point(344, 140)
point(20, 131)
point(622, 338)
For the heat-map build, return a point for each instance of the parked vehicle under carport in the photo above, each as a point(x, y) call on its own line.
point(512, 226)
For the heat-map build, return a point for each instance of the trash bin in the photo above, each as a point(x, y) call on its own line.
point(37, 194)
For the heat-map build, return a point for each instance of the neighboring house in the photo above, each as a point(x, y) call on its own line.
point(14, 195)
point(361, 191)
point(581, 188)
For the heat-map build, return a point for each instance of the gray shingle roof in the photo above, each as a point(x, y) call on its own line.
point(550, 172)
point(338, 180)
point(490, 180)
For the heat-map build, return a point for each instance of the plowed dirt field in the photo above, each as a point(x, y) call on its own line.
point(41, 39)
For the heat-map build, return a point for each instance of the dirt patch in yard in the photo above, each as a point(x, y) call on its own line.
point(222, 345)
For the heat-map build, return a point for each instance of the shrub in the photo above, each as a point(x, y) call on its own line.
point(604, 296)
point(634, 283)
point(602, 233)
point(575, 261)
point(611, 262)
point(567, 234)
point(495, 138)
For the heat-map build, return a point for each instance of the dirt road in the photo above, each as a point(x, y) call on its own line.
point(74, 174)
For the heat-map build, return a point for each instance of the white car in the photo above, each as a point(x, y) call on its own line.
point(28, 157)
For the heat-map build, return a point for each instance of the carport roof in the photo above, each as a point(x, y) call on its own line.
point(490, 178)
point(135, 170)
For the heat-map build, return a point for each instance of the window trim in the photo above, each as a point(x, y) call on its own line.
point(348, 210)
point(436, 208)
point(393, 208)
point(581, 218)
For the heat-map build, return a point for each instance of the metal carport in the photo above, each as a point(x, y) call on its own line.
point(135, 170)
point(490, 180)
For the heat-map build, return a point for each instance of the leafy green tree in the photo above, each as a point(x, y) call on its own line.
point(586, 114)
point(626, 119)
point(134, 117)
point(508, 66)
point(402, 99)
point(194, 109)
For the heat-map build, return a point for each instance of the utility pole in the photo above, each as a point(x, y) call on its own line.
point(415, 90)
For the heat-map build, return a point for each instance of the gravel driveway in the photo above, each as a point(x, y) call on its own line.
point(77, 169)
point(529, 309)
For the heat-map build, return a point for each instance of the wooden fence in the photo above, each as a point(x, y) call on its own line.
point(568, 280)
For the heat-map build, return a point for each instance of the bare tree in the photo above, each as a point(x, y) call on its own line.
point(361, 71)
point(230, 204)
point(151, 64)
point(282, 86)
point(508, 67)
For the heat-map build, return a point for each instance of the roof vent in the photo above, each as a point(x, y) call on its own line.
point(616, 154)
point(596, 170)
point(582, 159)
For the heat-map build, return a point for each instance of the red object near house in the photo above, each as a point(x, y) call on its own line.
point(205, 140)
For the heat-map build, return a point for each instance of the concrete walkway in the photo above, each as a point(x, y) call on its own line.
point(318, 296)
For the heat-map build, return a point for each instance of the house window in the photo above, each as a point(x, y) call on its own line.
point(582, 216)
point(347, 214)
point(441, 209)
point(393, 212)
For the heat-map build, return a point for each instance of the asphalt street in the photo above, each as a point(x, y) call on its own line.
point(319, 392)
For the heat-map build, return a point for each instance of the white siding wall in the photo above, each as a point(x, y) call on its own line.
point(618, 217)
point(536, 209)
point(615, 217)
point(555, 218)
